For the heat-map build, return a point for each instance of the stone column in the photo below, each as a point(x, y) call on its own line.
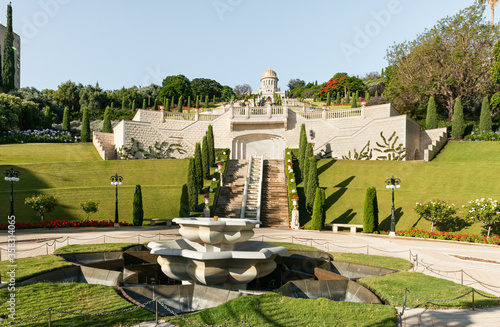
point(197, 114)
point(285, 110)
point(295, 223)
point(323, 114)
point(269, 111)
point(231, 108)
point(247, 112)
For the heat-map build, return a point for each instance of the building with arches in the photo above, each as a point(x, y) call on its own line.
point(269, 86)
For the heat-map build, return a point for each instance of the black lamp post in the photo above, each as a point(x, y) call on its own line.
point(393, 183)
point(11, 176)
point(116, 180)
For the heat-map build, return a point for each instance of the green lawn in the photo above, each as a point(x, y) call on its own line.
point(32, 299)
point(274, 310)
point(457, 175)
point(75, 173)
point(392, 287)
point(373, 260)
point(27, 267)
point(85, 248)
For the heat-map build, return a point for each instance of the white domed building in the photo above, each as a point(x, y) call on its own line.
point(269, 85)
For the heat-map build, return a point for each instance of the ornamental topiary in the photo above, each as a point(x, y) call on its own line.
point(85, 134)
point(192, 187)
point(431, 121)
point(184, 205)
point(198, 166)
point(205, 158)
point(370, 212)
point(47, 119)
point(312, 184)
point(65, 124)
point(302, 145)
point(485, 119)
point(106, 125)
point(458, 124)
point(211, 146)
point(137, 209)
point(318, 216)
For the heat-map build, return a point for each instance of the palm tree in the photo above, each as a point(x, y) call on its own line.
point(493, 4)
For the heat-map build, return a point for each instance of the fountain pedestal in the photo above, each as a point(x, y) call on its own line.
point(216, 252)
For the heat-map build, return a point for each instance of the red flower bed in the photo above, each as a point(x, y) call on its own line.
point(65, 223)
point(415, 232)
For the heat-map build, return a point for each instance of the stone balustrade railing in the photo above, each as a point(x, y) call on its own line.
point(334, 114)
point(189, 116)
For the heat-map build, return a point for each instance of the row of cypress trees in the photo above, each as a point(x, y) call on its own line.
point(458, 121)
point(198, 171)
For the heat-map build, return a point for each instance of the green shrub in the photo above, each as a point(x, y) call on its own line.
point(431, 121)
point(85, 135)
point(192, 187)
point(312, 184)
point(318, 216)
point(436, 211)
point(328, 99)
point(354, 103)
point(65, 124)
point(47, 118)
point(42, 204)
point(367, 96)
point(458, 125)
point(184, 205)
point(89, 207)
point(106, 125)
point(485, 118)
point(370, 212)
point(137, 210)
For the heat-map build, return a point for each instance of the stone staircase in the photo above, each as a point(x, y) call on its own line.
point(274, 209)
point(250, 207)
point(231, 194)
point(105, 145)
point(431, 142)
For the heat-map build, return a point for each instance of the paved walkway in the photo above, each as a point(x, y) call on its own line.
point(477, 264)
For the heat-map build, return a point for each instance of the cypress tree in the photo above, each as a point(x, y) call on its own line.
point(370, 212)
point(205, 158)
point(112, 104)
point(30, 124)
point(376, 94)
point(198, 166)
point(308, 153)
point(192, 187)
point(367, 96)
point(206, 101)
point(144, 103)
point(213, 100)
point(312, 184)
point(485, 119)
point(8, 55)
point(172, 102)
point(328, 100)
point(189, 102)
point(302, 145)
point(354, 103)
point(65, 124)
point(123, 104)
point(211, 148)
point(179, 104)
point(458, 124)
point(47, 118)
point(149, 101)
point(431, 120)
point(85, 134)
point(133, 105)
point(137, 210)
point(167, 105)
point(197, 102)
point(184, 205)
point(156, 104)
point(318, 215)
point(357, 95)
point(106, 125)
point(337, 101)
point(348, 99)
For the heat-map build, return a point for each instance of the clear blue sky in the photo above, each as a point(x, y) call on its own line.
point(126, 43)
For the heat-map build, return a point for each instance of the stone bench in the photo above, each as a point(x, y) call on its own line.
point(153, 221)
point(335, 227)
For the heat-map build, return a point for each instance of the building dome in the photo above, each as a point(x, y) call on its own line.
point(269, 73)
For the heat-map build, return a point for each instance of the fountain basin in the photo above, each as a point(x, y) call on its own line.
point(180, 260)
point(221, 234)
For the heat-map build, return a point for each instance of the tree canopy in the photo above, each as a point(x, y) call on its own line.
point(206, 86)
point(175, 86)
point(449, 61)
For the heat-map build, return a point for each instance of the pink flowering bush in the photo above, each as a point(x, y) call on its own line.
point(65, 224)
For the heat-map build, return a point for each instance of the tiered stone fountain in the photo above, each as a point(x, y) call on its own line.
point(216, 252)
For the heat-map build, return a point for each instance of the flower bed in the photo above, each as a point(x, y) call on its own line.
point(416, 232)
point(484, 136)
point(66, 224)
point(37, 136)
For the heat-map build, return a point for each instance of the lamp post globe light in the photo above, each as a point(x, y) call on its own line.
point(116, 180)
point(393, 183)
point(11, 176)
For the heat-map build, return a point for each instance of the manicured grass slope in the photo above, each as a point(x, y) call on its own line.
point(274, 310)
point(75, 179)
point(32, 299)
point(461, 172)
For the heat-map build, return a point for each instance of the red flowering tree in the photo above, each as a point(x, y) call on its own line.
point(334, 85)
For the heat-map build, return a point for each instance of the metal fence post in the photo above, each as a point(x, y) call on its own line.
point(47, 248)
point(473, 304)
point(367, 249)
point(50, 316)
point(156, 311)
point(462, 273)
